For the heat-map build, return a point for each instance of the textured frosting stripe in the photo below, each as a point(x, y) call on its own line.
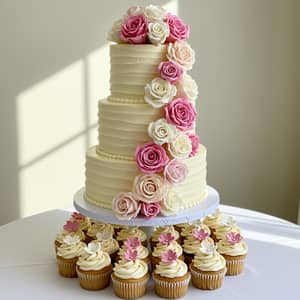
point(132, 67)
point(123, 126)
point(105, 177)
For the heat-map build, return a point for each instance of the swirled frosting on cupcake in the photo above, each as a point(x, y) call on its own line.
point(93, 260)
point(171, 270)
point(161, 248)
point(225, 247)
point(191, 245)
point(61, 235)
point(164, 229)
point(72, 247)
point(207, 258)
point(130, 269)
point(225, 226)
point(213, 220)
point(125, 233)
point(110, 246)
point(99, 227)
point(142, 252)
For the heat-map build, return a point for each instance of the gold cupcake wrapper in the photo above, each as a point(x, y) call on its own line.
point(234, 267)
point(171, 289)
point(206, 281)
point(67, 268)
point(94, 280)
point(130, 289)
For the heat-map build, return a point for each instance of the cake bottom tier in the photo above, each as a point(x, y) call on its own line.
point(107, 175)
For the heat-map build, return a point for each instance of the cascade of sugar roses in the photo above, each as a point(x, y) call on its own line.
point(172, 140)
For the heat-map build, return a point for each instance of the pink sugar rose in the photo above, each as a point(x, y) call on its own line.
point(150, 210)
point(175, 171)
point(178, 30)
point(200, 234)
point(195, 144)
point(134, 30)
point(166, 238)
point(233, 237)
point(181, 113)
point(170, 71)
point(132, 242)
point(151, 158)
point(125, 206)
point(71, 226)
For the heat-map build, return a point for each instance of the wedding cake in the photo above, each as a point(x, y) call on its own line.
point(149, 160)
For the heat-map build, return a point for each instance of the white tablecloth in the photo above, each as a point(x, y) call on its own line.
point(28, 268)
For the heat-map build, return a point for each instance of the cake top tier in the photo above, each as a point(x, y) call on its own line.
point(148, 25)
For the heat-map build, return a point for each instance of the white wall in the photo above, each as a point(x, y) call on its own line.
point(54, 68)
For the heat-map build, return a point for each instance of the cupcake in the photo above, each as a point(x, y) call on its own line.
point(208, 267)
point(96, 228)
point(68, 254)
point(171, 276)
point(188, 230)
point(117, 228)
point(125, 233)
point(163, 229)
point(130, 276)
point(134, 244)
point(213, 220)
point(192, 243)
point(225, 226)
point(70, 228)
point(94, 267)
point(108, 244)
point(234, 249)
point(166, 242)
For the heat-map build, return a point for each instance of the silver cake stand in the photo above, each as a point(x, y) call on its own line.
point(205, 207)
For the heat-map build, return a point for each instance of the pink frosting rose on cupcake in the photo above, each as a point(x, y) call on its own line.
point(125, 206)
point(181, 113)
point(178, 30)
point(150, 210)
point(134, 30)
point(175, 171)
point(195, 144)
point(151, 158)
point(170, 71)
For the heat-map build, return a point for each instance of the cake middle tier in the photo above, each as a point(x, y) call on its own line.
point(124, 126)
point(107, 175)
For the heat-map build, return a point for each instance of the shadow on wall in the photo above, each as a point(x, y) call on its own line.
point(55, 68)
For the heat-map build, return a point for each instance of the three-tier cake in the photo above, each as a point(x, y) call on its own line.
point(148, 160)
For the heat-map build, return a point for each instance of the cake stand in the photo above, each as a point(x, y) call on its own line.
point(205, 207)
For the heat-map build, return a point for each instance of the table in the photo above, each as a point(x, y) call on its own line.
point(28, 268)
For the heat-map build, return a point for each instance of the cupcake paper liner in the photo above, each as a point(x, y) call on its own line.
point(67, 267)
point(234, 264)
point(130, 288)
point(171, 288)
point(94, 280)
point(206, 280)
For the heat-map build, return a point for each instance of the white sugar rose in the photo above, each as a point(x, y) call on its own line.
point(154, 13)
point(135, 11)
point(159, 92)
point(149, 188)
point(158, 32)
point(181, 147)
point(114, 34)
point(171, 204)
point(162, 132)
point(187, 88)
point(181, 53)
